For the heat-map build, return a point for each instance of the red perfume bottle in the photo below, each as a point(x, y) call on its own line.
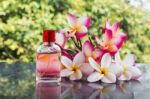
point(48, 64)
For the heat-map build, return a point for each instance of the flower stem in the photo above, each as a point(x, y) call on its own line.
point(75, 43)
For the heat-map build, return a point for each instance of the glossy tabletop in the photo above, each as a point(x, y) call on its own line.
point(17, 81)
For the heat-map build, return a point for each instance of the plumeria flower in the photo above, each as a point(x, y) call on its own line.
point(89, 51)
point(78, 27)
point(129, 70)
point(112, 40)
point(106, 46)
point(102, 72)
point(111, 33)
point(72, 67)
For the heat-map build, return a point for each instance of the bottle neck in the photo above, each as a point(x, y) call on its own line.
point(48, 43)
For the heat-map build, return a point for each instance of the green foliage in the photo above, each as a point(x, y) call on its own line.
point(22, 22)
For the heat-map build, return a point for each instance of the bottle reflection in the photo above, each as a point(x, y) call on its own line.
point(48, 90)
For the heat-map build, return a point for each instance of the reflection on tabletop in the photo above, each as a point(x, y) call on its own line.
point(17, 81)
point(84, 90)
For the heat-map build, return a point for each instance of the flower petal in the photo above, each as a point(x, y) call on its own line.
point(72, 20)
point(107, 25)
point(115, 27)
point(83, 29)
point(96, 76)
point(65, 72)
point(60, 39)
point(87, 48)
point(85, 21)
point(79, 59)
point(108, 34)
point(136, 73)
point(97, 54)
point(126, 76)
point(109, 78)
point(117, 58)
point(94, 64)
point(80, 35)
point(129, 60)
point(116, 68)
point(76, 76)
point(66, 62)
point(86, 69)
point(106, 60)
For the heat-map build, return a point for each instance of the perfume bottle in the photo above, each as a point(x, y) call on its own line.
point(48, 64)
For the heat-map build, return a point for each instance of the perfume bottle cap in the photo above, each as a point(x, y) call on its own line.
point(48, 36)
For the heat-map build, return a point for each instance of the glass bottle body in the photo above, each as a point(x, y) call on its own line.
point(48, 64)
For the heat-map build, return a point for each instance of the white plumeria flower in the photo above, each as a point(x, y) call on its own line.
point(103, 71)
point(72, 67)
point(129, 70)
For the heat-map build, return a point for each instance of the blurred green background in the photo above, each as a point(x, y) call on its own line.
point(22, 22)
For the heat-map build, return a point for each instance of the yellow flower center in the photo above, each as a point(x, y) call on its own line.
point(75, 68)
point(104, 71)
point(76, 28)
point(124, 70)
point(108, 45)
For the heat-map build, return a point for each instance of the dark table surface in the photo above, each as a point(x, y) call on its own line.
point(17, 81)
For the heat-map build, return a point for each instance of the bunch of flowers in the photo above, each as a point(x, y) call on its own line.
point(98, 61)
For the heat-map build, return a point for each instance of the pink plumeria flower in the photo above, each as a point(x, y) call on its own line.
point(78, 27)
point(111, 34)
point(106, 46)
point(103, 71)
point(129, 70)
point(72, 67)
point(89, 51)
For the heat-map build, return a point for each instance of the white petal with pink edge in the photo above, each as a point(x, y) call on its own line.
point(86, 69)
point(83, 29)
point(96, 76)
point(129, 60)
point(115, 27)
point(117, 58)
point(108, 34)
point(87, 48)
point(79, 59)
point(94, 64)
point(66, 62)
point(118, 41)
point(116, 69)
point(107, 25)
point(86, 21)
point(76, 76)
point(60, 39)
point(109, 78)
point(66, 72)
point(72, 20)
point(136, 73)
point(106, 60)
